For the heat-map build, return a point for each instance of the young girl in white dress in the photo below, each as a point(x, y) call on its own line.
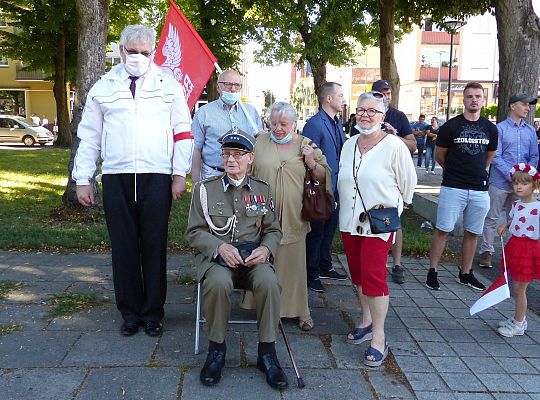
point(523, 249)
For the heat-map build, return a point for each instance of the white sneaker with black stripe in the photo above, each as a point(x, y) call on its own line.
point(510, 321)
point(514, 328)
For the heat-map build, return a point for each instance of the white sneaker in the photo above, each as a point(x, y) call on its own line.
point(512, 329)
point(427, 172)
point(432, 172)
point(510, 321)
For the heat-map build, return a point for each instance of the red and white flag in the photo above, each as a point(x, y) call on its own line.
point(497, 292)
point(182, 53)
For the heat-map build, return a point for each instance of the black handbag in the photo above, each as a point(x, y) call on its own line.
point(383, 220)
point(244, 248)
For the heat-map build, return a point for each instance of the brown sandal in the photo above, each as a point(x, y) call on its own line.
point(306, 324)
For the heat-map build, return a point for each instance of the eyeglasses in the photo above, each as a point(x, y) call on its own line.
point(147, 54)
point(371, 112)
point(237, 155)
point(230, 85)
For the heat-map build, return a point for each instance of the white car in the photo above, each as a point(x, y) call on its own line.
point(16, 129)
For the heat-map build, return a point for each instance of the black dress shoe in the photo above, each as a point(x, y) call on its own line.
point(211, 372)
point(129, 328)
point(275, 377)
point(153, 328)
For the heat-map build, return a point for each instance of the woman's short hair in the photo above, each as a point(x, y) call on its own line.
point(138, 34)
point(282, 107)
point(374, 96)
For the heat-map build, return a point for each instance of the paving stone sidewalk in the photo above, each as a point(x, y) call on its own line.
point(437, 350)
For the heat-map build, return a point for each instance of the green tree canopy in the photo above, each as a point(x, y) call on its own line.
point(45, 37)
point(317, 31)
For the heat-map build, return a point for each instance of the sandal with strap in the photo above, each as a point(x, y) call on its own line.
point(360, 335)
point(378, 357)
point(306, 324)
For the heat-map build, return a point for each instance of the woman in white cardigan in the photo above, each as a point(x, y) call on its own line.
point(378, 166)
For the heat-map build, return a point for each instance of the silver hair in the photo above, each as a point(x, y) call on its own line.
point(140, 34)
point(282, 107)
point(382, 105)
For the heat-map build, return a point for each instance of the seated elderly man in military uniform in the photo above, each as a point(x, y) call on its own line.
point(235, 232)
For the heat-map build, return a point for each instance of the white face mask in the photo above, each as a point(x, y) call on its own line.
point(367, 131)
point(136, 64)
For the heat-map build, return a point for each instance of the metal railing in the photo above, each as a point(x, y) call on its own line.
point(28, 75)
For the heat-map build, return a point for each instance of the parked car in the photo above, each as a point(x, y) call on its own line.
point(16, 129)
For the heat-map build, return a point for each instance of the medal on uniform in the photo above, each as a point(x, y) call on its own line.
point(253, 202)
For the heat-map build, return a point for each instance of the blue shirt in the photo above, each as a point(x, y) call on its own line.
point(517, 144)
point(422, 127)
point(213, 120)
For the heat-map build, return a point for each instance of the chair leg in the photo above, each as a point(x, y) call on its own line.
point(198, 319)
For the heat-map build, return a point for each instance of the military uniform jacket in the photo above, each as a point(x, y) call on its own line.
point(252, 205)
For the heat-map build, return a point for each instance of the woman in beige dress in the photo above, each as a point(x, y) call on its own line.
point(281, 157)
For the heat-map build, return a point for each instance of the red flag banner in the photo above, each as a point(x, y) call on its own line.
point(497, 292)
point(182, 53)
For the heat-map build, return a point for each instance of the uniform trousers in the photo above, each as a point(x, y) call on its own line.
point(218, 285)
point(137, 225)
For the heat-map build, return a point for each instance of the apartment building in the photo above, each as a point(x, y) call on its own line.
point(24, 92)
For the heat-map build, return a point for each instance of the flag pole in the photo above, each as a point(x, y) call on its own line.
point(504, 255)
point(250, 120)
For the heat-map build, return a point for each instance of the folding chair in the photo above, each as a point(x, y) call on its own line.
point(199, 319)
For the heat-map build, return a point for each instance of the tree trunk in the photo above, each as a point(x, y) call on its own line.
point(318, 68)
point(519, 51)
point(60, 93)
point(211, 88)
point(93, 17)
point(389, 70)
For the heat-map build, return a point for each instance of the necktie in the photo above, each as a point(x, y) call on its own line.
point(132, 85)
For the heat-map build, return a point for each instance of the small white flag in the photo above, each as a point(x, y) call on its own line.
point(497, 292)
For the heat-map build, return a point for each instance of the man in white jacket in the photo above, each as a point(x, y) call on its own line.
point(137, 119)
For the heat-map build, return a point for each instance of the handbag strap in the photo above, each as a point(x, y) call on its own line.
point(309, 174)
point(355, 175)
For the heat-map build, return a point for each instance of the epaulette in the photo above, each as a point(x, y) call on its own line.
point(259, 180)
point(212, 178)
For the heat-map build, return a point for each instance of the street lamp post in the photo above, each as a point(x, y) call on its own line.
point(440, 53)
point(452, 26)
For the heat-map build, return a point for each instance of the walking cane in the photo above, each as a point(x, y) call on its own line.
point(301, 383)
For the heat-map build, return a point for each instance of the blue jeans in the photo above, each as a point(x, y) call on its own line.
point(420, 146)
point(430, 156)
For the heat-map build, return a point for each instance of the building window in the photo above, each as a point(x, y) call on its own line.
point(3, 59)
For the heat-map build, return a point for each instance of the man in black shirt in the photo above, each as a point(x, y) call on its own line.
point(465, 147)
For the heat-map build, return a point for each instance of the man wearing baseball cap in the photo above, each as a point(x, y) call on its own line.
point(517, 144)
point(396, 123)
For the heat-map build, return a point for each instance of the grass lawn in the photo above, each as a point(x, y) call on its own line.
point(32, 215)
point(31, 211)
